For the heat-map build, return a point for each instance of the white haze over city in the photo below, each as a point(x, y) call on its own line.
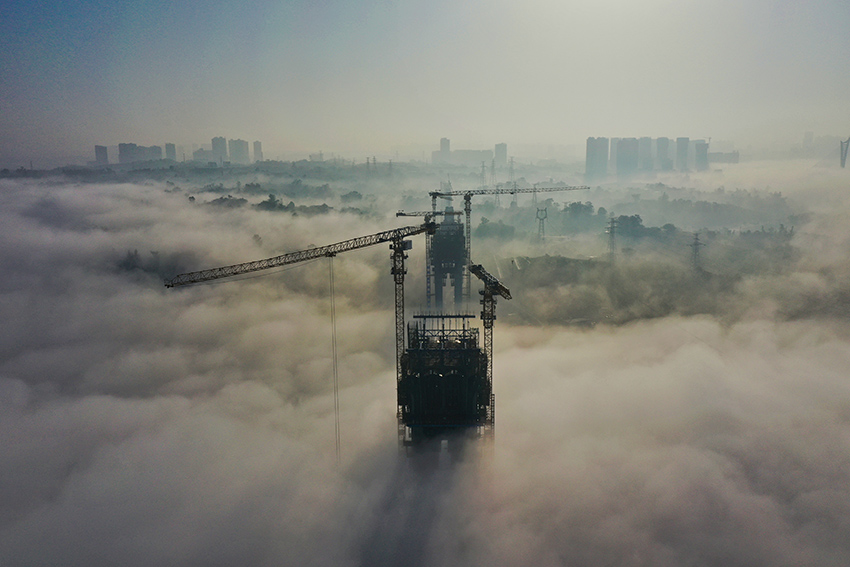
point(195, 426)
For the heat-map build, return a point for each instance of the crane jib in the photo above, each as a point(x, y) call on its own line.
point(511, 190)
point(300, 256)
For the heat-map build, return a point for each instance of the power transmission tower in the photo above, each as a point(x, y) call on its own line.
point(612, 238)
point(493, 180)
point(695, 245)
point(542, 215)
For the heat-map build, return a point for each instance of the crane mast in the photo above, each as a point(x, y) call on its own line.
point(443, 378)
point(447, 192)
point(429, 268)
point(492, 288)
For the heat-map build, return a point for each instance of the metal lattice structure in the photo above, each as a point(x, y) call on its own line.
point(492, 288)
point(612, 238)
point(398, 246)
point(446, 192)
point(444, 392)
point(695, 245)
point(300, 256)
point(429, 266)
point(542, 215)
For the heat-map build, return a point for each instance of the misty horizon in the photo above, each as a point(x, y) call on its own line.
point(305, 78)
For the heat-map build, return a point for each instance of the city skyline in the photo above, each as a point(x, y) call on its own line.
point(386, 77)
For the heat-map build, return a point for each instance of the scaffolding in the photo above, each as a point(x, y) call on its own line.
point(444, 388)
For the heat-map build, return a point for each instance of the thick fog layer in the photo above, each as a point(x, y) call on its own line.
point(195, 426)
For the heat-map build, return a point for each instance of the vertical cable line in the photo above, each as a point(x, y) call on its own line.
point(334, 354)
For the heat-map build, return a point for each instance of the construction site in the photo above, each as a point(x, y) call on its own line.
point(444, 362)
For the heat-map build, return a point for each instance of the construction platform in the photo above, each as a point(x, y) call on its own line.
point(444, 391)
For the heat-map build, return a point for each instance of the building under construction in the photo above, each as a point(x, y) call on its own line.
point(444, 388)
point(444, 376)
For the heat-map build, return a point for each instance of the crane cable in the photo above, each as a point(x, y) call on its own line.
point(334, 354)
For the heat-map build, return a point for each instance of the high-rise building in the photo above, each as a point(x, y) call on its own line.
point(443, 155)
point(205, 156)
point(645, 154)
point(501, 154)
point(612, 156)
point(170, 152)
point(219, 149)
point(238, 151)
point(682, 153)
point(662, 154)
point(596, 159)
point(258, 152)
point(700, 155)
point(627, 156)
point(129, 153)
point(101, 157)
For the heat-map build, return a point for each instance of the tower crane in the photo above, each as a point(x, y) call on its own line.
point(447, 192)
point(398, 245)
point(492, 288)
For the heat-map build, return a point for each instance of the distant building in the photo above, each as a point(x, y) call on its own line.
point(442, 155)
point(319, 157)
point(219, 149)
point(612, 156)
point(627, 156)
point(238, 151)
point(682, 153)
point(501, 154)
point(205, 156)
point(701, 155)
point(596, 159)
point(645, 154)
point(662, 154)
point(171, 152)
point(469, 158)
point(258, 152)
point(126, 153)
point(724, 157)
point(129, 153)
point(101, 157)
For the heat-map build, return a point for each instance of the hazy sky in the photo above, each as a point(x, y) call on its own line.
point(366, 77)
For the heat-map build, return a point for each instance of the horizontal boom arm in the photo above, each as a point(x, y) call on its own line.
point(293, 257)
point(511, 190)
point(490, 281)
